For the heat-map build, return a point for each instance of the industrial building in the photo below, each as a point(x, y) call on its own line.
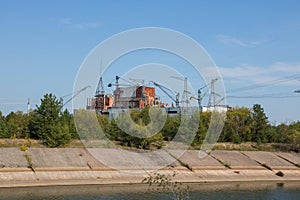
point(138, 96)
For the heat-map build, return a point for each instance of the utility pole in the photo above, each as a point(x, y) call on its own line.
point(28, 106)
point(199, 100)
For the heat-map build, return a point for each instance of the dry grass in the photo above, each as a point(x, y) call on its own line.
point(252, 146)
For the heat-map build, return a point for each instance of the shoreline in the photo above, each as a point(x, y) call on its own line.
point(115, 178)
point(226, 183)
point(76, 166)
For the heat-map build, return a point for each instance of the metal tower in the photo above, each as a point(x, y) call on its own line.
point(212, 97)
point(185, 98)
point(100, 87)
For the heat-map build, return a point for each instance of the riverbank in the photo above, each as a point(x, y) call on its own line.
point(76, 166)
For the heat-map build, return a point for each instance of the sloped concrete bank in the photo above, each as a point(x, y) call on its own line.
point(72, 166)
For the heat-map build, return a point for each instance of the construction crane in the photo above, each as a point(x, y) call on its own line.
point(185, 93)
point(212, 98)
point(167, 91)
point(117, 84)
point(72, 97)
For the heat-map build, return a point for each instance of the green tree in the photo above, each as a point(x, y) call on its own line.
point(170, 128)
point(272, 135)
point(260, 124)
point(294, 136)
point(3, 127)
point(46, 123)
point(114, 132)
point(68, 119)
point(122, 128)
point(237, 127)
point(17, 124)
point(203, 121)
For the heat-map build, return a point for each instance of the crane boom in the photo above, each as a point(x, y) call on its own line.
point(165, 90)
point(75, 95)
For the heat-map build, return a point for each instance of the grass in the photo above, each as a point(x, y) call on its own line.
point(20, 142)
point(266, 166)
point(227, 164)
point(252, 146)
point(247, 146)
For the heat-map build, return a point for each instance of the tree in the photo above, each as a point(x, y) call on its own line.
point(135, 133)
point(3, 127)
point(17, 124)
point(260, 124)
point(294, 136)
point(46, 123)
point(68, 119)
point(170, 128)
point(237, 127)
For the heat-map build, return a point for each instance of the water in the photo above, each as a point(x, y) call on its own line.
point(266, 191)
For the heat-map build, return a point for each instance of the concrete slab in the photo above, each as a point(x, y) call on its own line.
point(12, 158)
point(240, 175)
point(197, 160)
point(64, 158)
point(270, 159)
point(137, 159)
point(291, 157)
point(236, 160)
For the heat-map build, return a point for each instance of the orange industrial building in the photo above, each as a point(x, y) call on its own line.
point(139, 97)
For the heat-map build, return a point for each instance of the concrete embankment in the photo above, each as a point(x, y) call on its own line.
point(70, 166)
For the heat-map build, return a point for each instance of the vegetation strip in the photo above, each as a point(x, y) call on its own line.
point(55, 127)
point(296, 164)
point(226, 164)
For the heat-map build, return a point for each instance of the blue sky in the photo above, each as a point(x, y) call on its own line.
point(43, 44)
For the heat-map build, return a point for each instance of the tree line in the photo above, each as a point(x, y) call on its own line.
point(55, 127)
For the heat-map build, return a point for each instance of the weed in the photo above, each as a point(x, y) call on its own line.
point(165, 183)
point(23, 147)
point(266, 166)
point(29, 162)
point(227, 164)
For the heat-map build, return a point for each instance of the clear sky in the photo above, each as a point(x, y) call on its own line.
point(43, 43)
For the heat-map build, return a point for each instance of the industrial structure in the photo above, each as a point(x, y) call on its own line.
point(136, 95)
